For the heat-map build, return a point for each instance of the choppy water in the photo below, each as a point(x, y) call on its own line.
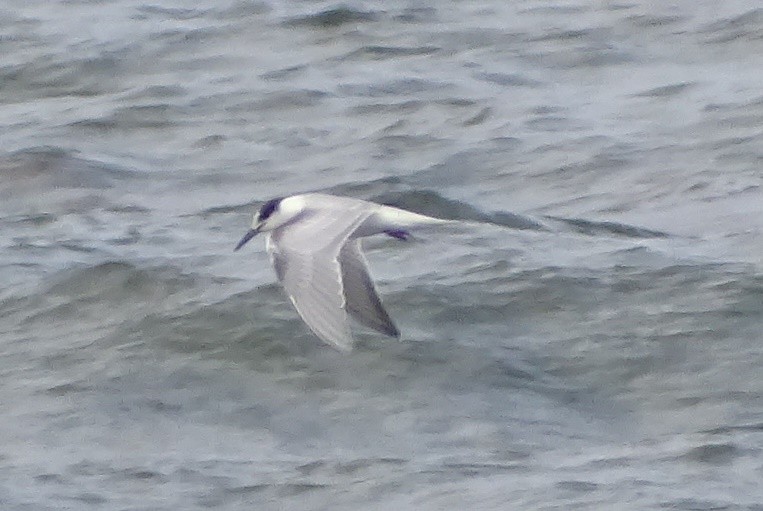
point(594, 343)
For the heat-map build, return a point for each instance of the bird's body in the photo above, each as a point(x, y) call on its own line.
point(314, 244)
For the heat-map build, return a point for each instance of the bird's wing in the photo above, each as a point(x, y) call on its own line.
point(361, 299)
point(305, 256)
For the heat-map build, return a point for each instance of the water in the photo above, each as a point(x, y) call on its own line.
point(592, 342)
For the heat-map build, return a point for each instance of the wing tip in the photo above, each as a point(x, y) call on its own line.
point(342, 348)
point(343, 345)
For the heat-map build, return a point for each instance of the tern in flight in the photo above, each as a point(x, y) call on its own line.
point(314, 244)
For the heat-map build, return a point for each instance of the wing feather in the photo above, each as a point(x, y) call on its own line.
point(363, 302)
point(305, 255)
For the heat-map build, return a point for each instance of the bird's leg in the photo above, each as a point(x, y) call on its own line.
point(400, 234)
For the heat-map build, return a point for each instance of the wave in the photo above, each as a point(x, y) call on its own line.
point(105, 294)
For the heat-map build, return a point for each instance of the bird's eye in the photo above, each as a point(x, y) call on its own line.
point(268, 208)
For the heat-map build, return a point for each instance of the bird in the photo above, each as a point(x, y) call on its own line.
point(314, 244)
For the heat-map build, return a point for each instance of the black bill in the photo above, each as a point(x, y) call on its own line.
point(251, 233)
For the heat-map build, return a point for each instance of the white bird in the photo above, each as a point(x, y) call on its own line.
point(314, 244)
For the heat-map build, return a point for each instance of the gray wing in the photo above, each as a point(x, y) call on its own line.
point(361, 299)
point(305, 255)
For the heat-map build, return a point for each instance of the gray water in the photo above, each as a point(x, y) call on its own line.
point(590, 338)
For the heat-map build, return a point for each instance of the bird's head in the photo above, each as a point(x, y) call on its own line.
point(272, 215)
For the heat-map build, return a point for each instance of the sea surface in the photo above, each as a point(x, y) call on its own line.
point(590, 337)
